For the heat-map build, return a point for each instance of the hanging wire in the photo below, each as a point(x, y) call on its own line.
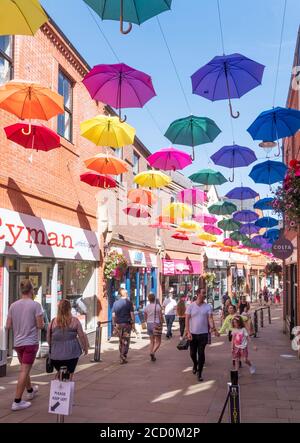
point(221, 27)
point(279, 52)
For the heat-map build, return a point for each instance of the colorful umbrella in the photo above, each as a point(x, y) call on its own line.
point(225, 208)
point(258, 239)
point(192, 196)
point(272, 234)
point(266, 222)
point(230, 242)
point(227, 77)
point(249, 229)
point(179, 236)
point(137, 211)
point(160, 226)
point(141, 196)
point(190, 225)
point(169, 159)
point(119, 86)
point(40, 138)
point(241, 193)
point(209, 220)
point(268, 172)
point(226, 249)
point(164, 219)
point(132, 11)
point(107, 131)
point(106, 164)
point(264, 204)
point(97, 180)
point(19, 17)
point(234, 156)
point(229, 225)
point(212, 230)
point(207, 237)
point(208, 177)
point(152, 179)
point(178, 210)
point(245, 216)
point(199, 243)
point(192, 131)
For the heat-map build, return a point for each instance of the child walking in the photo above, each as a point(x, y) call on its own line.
point(240, 341)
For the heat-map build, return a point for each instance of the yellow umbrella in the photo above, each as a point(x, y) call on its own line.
point(178, 210)
point(152, 179)
point(208, 237)
point(19, 17)
point(107, 131)
point(190, 225)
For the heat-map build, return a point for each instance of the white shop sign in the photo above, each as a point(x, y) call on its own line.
point(22, 234)
point(61, 397)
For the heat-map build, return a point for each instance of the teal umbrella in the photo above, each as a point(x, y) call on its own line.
point(225, 208)
point(208, 177)
point(193, 131)
point(237, 236)
point(229, 225)
point(132, 11)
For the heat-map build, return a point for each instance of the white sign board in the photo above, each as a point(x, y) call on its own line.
point(22, 234)
point(61, 397)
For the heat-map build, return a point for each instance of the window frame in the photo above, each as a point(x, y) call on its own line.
point(9, 58)
point(67, 110)
point(135, 155)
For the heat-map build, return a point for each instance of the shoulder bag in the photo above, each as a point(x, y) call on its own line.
point(157, 329)
point(183, 345)
point(49, 364)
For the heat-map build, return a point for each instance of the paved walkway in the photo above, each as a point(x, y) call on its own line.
point(166, 391)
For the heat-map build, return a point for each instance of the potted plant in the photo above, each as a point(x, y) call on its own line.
point(115, 266)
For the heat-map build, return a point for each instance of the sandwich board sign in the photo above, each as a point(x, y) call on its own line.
point(61, 397)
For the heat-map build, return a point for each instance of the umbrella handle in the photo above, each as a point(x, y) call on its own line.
point(231, 111)
point(193, 155)
point(279, 151)
point(29, 130)
point(231, 179)
point(122, 30)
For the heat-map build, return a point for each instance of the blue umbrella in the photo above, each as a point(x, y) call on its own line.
point(268, 172)
point(245, 216)
point(266, 222)
point(242, 193)
point(226, 77)
point(272, 234)
point(234, 156)
point(249, 229)
point(264, 204)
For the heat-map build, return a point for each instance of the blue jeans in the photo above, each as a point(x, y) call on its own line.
point(169, 320)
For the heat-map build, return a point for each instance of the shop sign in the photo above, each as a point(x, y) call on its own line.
point(61, 397)
point(25, 235)
point(178, 267)
point(217, 263)
point(282, 248)
point(138, 257)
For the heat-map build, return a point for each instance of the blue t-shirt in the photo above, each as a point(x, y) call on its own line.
point(122, 309)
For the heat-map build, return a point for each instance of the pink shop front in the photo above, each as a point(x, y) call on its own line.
point(181, 274)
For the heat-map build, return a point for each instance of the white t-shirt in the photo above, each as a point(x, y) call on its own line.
point(199, 317)
point(150, 310)
point(240, 338)
point(170, 306)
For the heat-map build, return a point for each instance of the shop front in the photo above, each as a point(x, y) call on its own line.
point(181, 274)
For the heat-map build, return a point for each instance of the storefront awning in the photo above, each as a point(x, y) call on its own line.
point(137, 258)
point(182, 267)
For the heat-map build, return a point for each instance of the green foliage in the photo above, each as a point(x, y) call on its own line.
point(210, 279)
point(114, 262)
point(273, 268)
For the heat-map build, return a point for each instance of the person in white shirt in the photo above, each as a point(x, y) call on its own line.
point(169, 306)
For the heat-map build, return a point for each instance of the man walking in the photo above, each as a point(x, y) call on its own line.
point(25, 317)
point(169, 306)
point(123, 321)
point(199, 323)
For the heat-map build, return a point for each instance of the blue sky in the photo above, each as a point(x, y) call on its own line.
point(192, 30)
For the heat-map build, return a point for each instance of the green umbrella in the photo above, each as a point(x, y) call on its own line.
point(237, 236)
point(225, 208)
point(192, 131)
point(208, 177)
point(132, 11)
point(247, 242)
point(229, 225)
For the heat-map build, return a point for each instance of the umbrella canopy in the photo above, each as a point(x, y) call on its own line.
point(132, 11)
point(180, 236)
point(268, 172)
point(152, 179)
point(192, 131)
point(212, 230)
point(137, 211)
point(40, 137)
point(199, 243)
point(245, 216)
point(258, 239)
point(230, 242)
point(167, 220)
point(226, 77)
point(119, 86)
point(107, 131)
point(170, 159)
point(274, 124)
point(141, 196)
point(190, 225)
point(160, 226)
point(234, 156)
point(229, 225)
point(192, 196)
point(272, 234)
point(106, 164)
point(177, 210)
point(236, 235)
point(209, 219)
point(242, 193)
point(249, 229)
point(208, 177)
point(264, 204)
point(266, 222)
point(207, 237)
point(19, 17)
point(225, 208)
point(226, 249)
point(97, 180)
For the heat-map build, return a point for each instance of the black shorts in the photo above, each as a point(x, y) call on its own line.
point(70, 364)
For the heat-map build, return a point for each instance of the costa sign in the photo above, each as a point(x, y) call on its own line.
point(282, 248)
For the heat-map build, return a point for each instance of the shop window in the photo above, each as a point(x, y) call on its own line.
point(65, 121)
point(136, 166)
point(6, 61)
point(119, 153)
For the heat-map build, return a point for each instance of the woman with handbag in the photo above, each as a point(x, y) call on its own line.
point(154, 320)
point(66, 340)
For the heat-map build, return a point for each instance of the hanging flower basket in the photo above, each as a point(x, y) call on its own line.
point(115, 266)
point(210, 279)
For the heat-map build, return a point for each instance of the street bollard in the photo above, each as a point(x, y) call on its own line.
point(63, 375)
point(232, 399)
point(255, 324)
point(98, 342)
point(269, 314)
point(261, 318)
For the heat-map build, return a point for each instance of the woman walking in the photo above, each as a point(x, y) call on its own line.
point(180, 311)
point(66, 339)
point(154, 319)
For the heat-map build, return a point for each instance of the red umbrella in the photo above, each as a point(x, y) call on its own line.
point(180, 236)
point(137, 211)
point(98, 180)
point(160, 226)
point(40, 138)
point(230, 242)
point(199, 243)
point(212, 230)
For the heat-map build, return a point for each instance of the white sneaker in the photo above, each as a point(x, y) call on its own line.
point(22, 405)
point(252, 370)
point(31, 395)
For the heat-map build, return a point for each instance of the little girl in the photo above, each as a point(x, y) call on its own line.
point(240, 340)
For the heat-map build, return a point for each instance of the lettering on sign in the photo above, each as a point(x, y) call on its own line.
point(282, 248)
point(61, 397)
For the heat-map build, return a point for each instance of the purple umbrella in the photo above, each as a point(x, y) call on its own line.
point(119, 86)
point(242, 193)
point(234, 156)
point(226, 77)
point(249, 229)
point(170, 159)
point(258, 240)
point(245, 216)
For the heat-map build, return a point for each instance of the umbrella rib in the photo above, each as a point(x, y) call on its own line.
point(23, 15)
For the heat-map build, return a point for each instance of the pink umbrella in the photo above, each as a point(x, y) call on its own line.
point(206, 219)
point(137, 211)
point(230, 242)
point(192, 196)
point(212, 230)
point(169, 159)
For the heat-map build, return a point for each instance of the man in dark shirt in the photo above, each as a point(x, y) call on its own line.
point(123, 322)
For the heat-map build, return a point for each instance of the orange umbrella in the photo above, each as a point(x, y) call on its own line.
point(166, 219)
point(141, 196)
point(106, 164)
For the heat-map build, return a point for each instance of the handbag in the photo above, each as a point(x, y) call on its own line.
point(157, 329)
point(183, 345)
point(49, 364)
